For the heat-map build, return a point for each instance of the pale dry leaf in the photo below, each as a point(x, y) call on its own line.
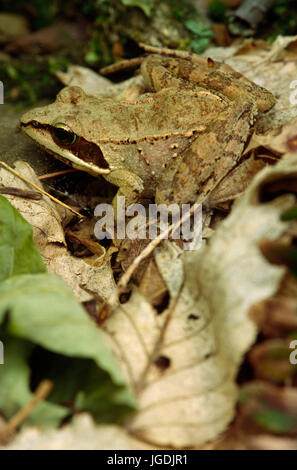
point(43, 214)
point(91, 82)
point(48, 235)
point(269, 442)
point(182, 363)
point(283, 142)
point(95, 85)
point(280, 44)
point(80, 434)
point(243, 46)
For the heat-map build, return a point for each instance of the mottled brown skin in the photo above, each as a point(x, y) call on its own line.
point(177, 142)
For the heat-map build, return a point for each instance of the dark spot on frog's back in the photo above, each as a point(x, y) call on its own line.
point(89, 152)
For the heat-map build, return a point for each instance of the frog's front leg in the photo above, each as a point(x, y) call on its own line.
point(209, 158)
point(130, 185)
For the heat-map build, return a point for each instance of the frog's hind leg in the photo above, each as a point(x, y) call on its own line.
point(166, 72)
point(209, 158)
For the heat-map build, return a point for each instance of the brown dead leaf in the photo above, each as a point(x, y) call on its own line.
point(275, 316)
point(45, 218)
point(270, 361)
point(221, 34)
point(152, 285)
point(12, 26)
point(269, 442)
point(51, 38)
point(264, 409)
point(280, 143)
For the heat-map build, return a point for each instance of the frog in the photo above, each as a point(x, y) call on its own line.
point(176, 142)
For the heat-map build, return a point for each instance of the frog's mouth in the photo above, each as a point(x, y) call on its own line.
point(79, 153)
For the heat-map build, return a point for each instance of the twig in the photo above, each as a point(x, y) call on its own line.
point(113, 300)
point(57, 173)
point(125, 64)
point(122, 65)
point(40, 189)
point(20, 193)
point(41, 393)
point(167, 52)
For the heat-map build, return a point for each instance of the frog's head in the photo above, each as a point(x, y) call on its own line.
point(61, 129)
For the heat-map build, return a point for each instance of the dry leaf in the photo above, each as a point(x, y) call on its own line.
point(276, 316)
point(48, 234)
point(182, 364)
point(12, 26)
point(95, 85)
point(152, 285)
point(280, 143)
point(270, 361)
point(81, 434)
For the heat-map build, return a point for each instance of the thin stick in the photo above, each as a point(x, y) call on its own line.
point(125, 64)
point(169, 52)
point(122, 65)
point(57, 173)
point(20, 193)
point(40, 189)
point(41, 393)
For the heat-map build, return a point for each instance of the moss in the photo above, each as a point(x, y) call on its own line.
point(217, 10)
point(283, 19)
point(26, 81)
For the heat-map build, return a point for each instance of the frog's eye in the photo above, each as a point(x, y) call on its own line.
point(63, 135)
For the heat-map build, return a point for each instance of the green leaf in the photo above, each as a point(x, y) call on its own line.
point(14, 386)
point(18, 254)
point(290, 214)
point(93, 398)
point(41, 309)
point(145, 5)
point(81, 383)
point(217, 10)
point(200, 29)
point(91, 57)
point(274, 420)
point(199, 45)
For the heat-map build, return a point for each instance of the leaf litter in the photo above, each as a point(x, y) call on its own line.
point(37, 308)
point(181, 361)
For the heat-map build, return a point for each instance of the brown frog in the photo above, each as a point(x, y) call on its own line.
point(177, 141)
